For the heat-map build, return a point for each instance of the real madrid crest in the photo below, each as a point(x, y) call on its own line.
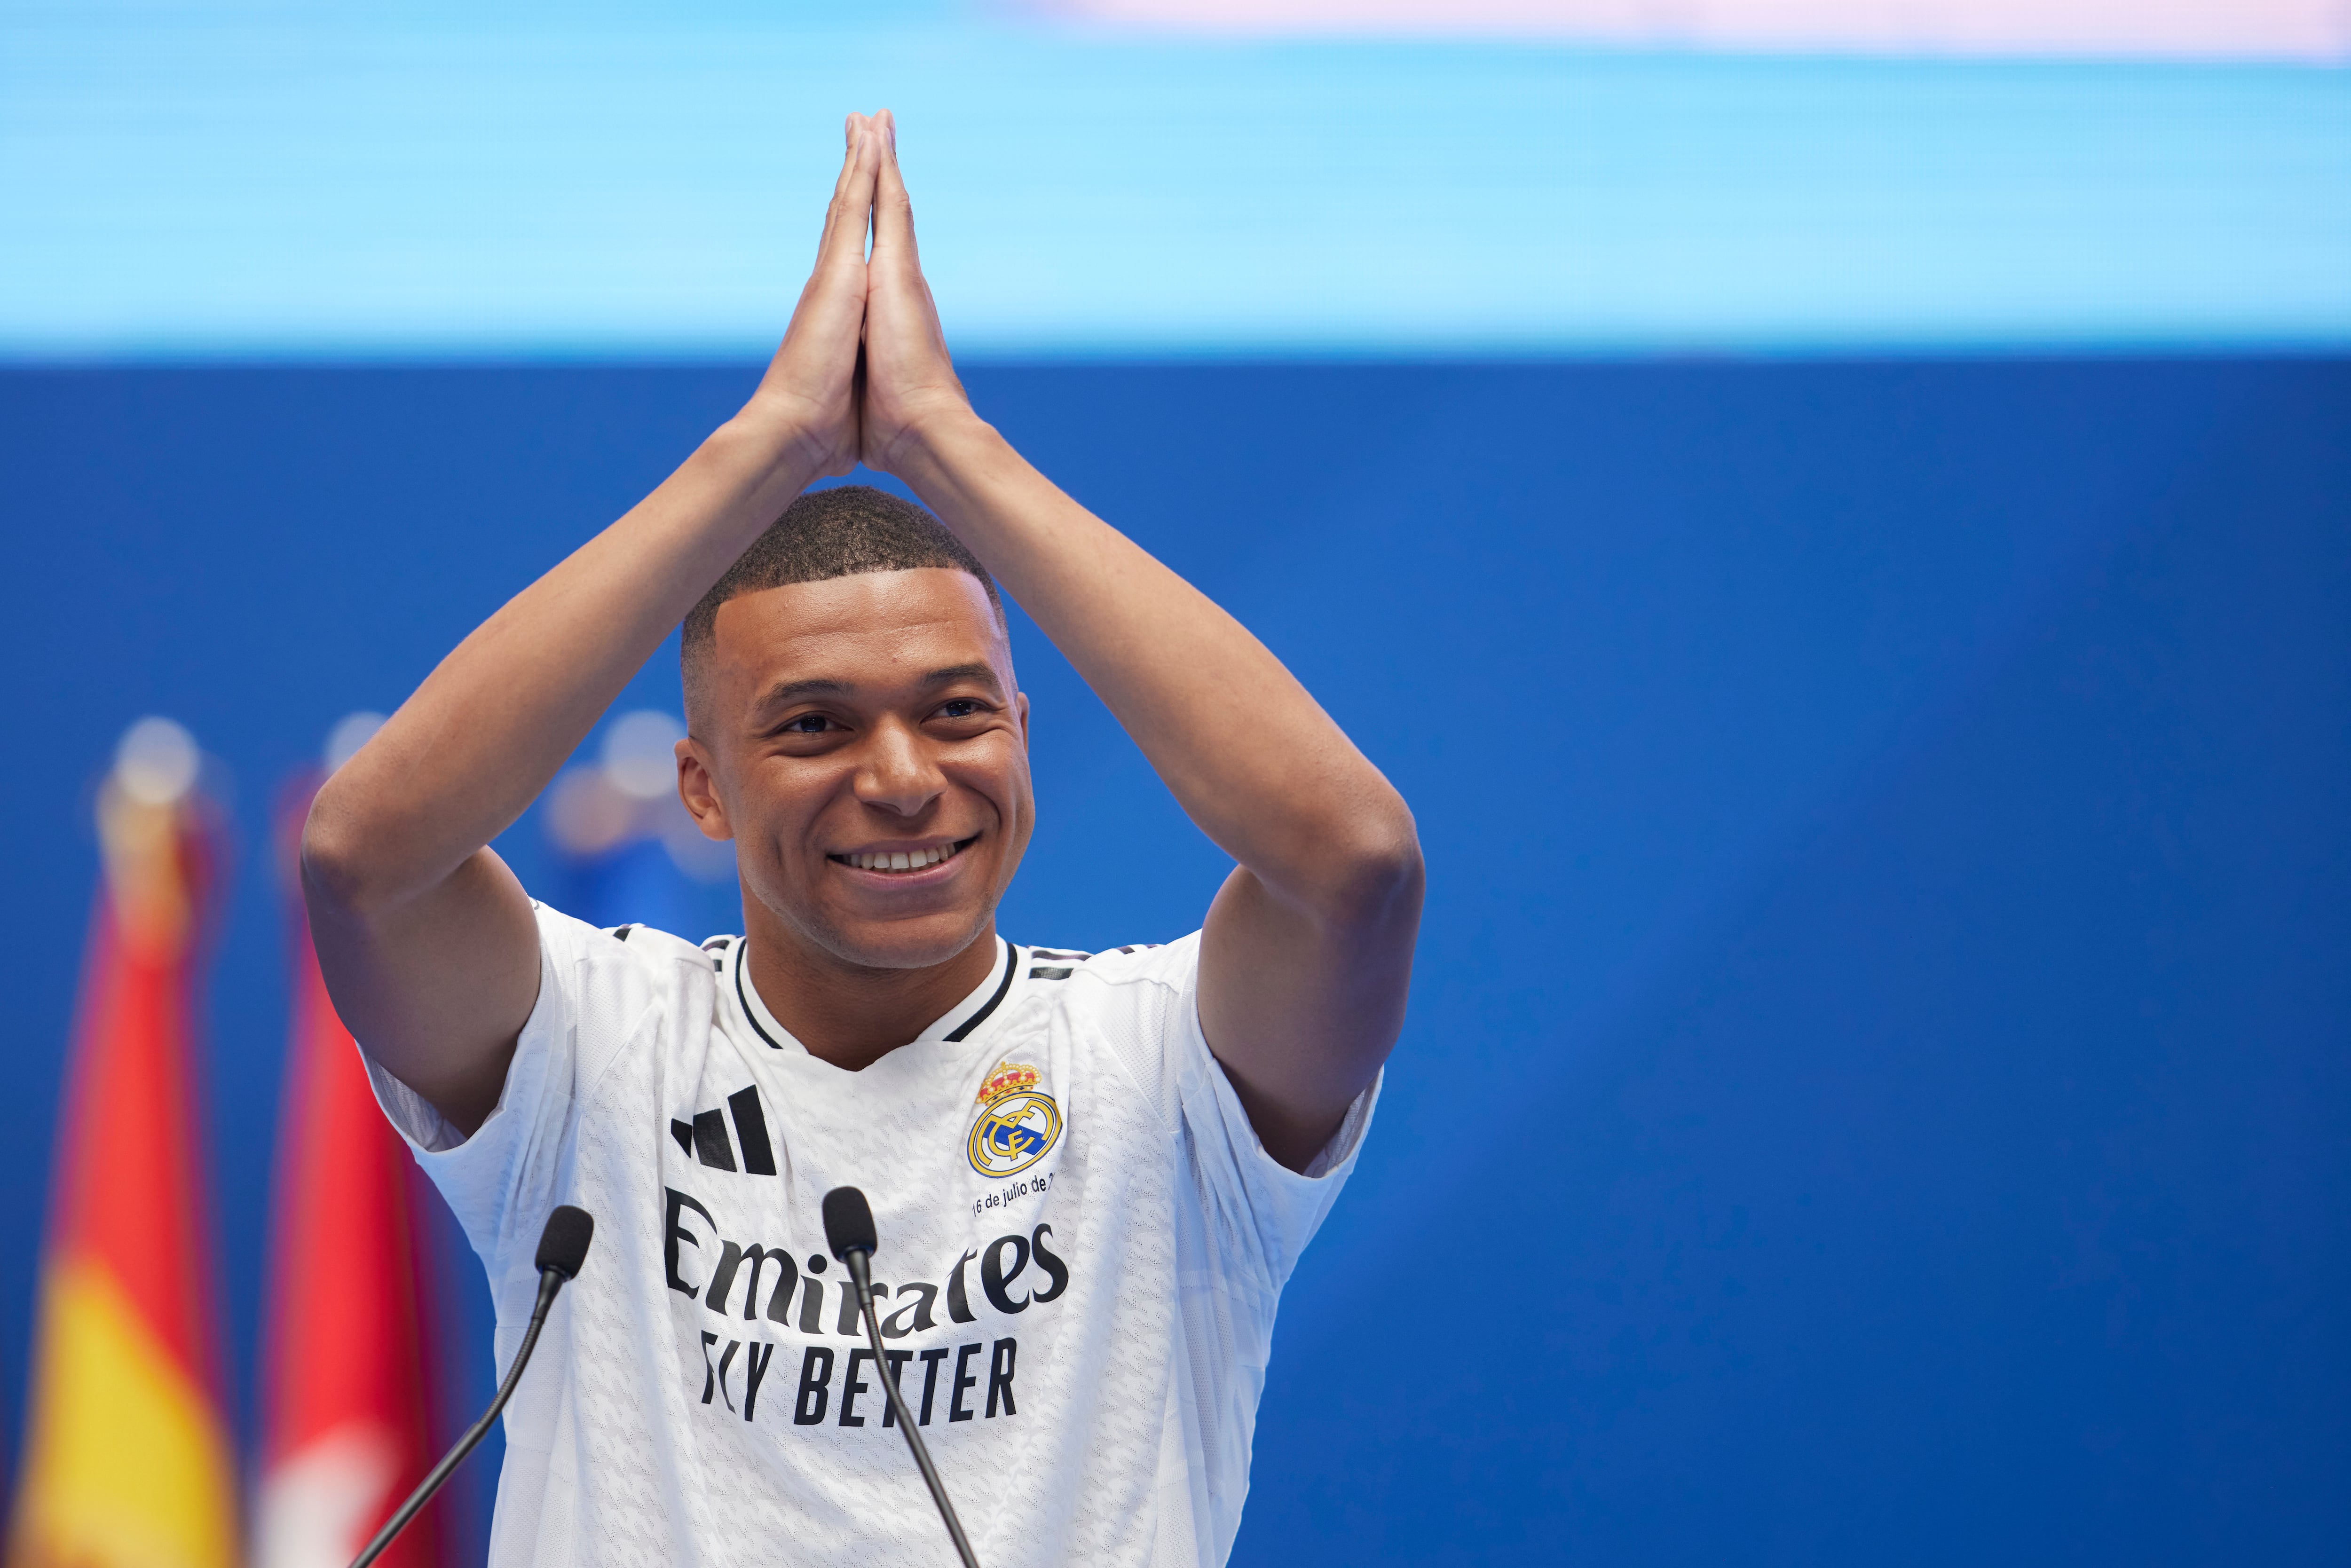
point(1019, 1123)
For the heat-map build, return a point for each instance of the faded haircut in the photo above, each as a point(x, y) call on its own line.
point(837, 532)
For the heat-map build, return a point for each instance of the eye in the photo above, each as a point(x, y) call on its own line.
point(962, 708)
point(807, 723)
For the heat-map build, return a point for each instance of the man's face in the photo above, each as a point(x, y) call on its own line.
point(862, 741)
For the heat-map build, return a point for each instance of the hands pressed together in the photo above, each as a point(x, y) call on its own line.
point(863, 366)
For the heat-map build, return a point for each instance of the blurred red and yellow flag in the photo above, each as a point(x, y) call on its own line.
point(348, 1353)
point(128, 1460)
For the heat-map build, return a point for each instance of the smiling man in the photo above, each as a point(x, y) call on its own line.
point(1093, 1174)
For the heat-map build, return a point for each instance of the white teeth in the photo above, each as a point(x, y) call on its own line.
point(901, 860)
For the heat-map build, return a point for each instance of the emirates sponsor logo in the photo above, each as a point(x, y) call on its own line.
point(757, 1296)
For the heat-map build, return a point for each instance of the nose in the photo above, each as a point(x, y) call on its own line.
point(896, 772)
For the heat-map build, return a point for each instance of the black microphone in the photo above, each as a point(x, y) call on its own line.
point(562, 1248)
point(849, 1232)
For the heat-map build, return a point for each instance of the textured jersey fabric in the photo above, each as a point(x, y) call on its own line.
point(1081, 1245)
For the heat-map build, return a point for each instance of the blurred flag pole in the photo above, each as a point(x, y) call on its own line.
point(349, 1358)
point(129, 1462)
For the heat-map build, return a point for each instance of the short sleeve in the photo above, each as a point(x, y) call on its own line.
point(500, 1181)
point(1271, 1211)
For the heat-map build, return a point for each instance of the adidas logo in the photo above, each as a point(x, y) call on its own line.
point(706, 1139)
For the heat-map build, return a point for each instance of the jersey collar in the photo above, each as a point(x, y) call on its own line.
point(960, 1022)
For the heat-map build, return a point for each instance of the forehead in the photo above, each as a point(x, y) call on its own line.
point(873, 630)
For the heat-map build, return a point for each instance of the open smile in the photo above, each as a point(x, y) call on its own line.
point(906, 861)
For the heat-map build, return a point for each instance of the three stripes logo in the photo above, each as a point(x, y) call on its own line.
point(705, 1138)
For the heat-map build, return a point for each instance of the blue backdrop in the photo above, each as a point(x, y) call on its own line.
point(1876, 1086)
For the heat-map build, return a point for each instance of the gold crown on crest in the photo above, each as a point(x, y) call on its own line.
point(1010, 1078)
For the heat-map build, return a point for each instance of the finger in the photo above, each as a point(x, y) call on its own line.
point(893, 211)
point(845, 220)
point(853, 130)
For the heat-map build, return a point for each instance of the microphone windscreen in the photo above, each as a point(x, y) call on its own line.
point(563, 1245)
point(848, 1222)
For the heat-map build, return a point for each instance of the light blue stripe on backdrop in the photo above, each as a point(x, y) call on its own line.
point(599, 181)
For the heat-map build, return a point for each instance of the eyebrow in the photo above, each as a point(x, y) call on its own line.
point(827, 686)
point(955, 673)
point(793, 691)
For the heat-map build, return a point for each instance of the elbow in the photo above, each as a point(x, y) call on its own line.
point(338, 875)
point(1372, 871)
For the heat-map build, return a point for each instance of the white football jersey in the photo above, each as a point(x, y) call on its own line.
point(1081, 1245)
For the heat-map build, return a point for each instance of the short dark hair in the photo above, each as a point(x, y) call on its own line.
point(841, 531)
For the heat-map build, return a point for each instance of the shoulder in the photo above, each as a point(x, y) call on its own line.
point(621, 966)
point(1141, 965)
point(635, 944)
point(1136, 1005)
point(1142, 999)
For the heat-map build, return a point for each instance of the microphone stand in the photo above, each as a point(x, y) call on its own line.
point(562, 1248)
point(861, 1272)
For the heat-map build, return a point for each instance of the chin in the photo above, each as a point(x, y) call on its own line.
point(917, 942)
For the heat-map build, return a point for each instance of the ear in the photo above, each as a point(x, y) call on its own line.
point(1020, 706)
point(698, 788)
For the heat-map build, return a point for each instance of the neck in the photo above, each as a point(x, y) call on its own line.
point(847, 1014)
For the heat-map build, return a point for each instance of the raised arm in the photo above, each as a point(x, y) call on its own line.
point(426, 939)
point(1308, 948)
